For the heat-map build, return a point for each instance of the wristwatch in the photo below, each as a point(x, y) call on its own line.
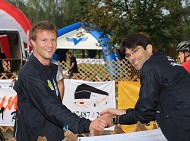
point(116, 120)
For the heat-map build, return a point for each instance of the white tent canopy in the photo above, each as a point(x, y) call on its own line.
point(78, 39)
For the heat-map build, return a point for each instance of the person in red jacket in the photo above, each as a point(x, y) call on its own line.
point(183, 50)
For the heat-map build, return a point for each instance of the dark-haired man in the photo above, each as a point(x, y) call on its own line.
point(164, 94)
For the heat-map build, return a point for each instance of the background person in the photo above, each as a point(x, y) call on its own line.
point(164, 93)
point(73, 64)
point(59, 78)
point(183, 50)
point(39, 109)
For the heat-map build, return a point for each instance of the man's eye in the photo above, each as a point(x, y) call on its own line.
point(134, 51)
point(53, 40)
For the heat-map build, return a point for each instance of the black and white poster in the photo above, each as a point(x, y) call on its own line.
point(87, 99)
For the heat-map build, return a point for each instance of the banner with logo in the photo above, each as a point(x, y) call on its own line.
point(87, 99)
point(8, 100)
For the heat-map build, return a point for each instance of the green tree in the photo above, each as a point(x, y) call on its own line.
point(38, 10)
point(60, 12)
point(74, 10)
point(165, 22)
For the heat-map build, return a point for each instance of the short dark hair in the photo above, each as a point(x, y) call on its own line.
point(69, 52)
point(134, 40)
point(42, 25)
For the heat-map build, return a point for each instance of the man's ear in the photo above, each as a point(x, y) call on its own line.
point(33, 43)
point(149, 48)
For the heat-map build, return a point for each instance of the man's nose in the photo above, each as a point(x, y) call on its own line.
point(50, 43)
point(132, 57)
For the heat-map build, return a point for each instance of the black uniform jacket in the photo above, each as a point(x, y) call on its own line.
point(40, 111)
point(164, 96)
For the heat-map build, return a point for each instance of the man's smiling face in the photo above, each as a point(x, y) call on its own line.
point(138, 56)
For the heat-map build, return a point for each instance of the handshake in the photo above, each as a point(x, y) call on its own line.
point(106, 119)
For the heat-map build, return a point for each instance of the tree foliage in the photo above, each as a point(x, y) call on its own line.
point(74, 10)
point(166, 22)
point(60, 12)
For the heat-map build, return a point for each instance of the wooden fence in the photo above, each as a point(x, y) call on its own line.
point(111, 70)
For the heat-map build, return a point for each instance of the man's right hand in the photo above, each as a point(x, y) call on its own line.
point(109, 118)
point(98, 124)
